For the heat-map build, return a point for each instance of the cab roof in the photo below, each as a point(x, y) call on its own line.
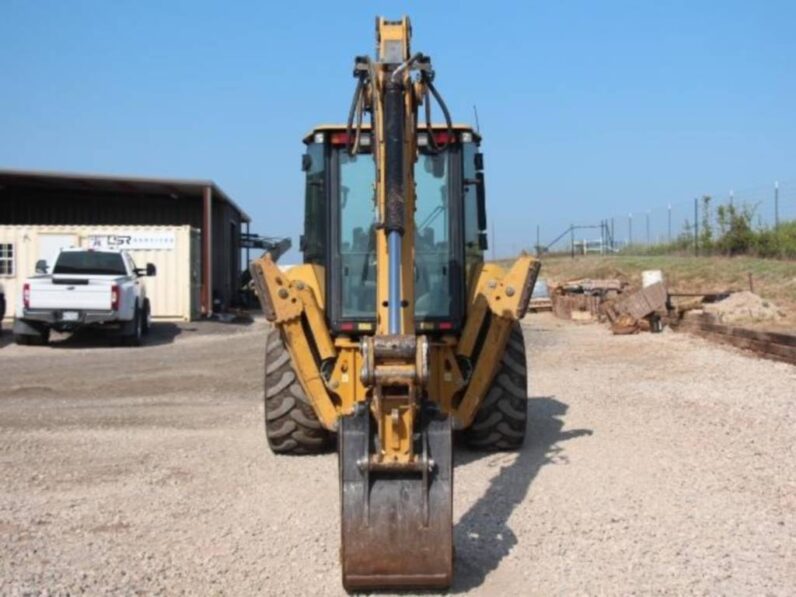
point(341, 128)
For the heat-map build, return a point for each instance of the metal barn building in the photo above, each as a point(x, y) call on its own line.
point(190, 229)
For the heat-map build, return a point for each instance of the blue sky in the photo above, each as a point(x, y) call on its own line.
point(588, 109)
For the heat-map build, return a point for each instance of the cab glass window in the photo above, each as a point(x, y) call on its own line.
point(472, 252)
point(357, 235)
point(433, 239)
point(315, 206)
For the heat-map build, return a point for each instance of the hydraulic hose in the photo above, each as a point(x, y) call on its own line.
point(432, 142)
point(355, 110)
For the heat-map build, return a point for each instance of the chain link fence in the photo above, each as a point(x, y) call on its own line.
point(698, 226)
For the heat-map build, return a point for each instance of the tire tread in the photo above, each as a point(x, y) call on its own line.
point(291, 425)
point(501, 420)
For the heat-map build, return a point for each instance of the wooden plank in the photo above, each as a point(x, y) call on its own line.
point(776, 337)
point(645, 301)
point(764, 344)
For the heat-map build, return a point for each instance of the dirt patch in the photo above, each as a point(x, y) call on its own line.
point(744, 307)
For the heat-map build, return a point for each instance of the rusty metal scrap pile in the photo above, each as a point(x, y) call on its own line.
point(607, 301)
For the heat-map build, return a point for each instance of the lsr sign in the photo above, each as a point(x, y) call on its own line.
point(133, 241)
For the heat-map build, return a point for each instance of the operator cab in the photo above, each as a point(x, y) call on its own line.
point(340, 224)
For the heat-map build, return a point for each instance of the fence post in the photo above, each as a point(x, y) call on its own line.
point(572, 239)
point(776, 205)
point(603, 237)
point(696, 226)
point(612, 235)
point(670, 224)
point(629, 229)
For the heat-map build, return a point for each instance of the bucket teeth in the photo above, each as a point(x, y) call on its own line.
point(396, 526)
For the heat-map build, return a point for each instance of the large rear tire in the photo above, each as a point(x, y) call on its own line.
point(134, 331)
point(501, 420)
point(291, 425)
point(146, 322)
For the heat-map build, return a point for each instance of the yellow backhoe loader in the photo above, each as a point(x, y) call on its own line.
point(394, 332)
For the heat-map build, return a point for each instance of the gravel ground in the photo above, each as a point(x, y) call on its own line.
point(655, 464)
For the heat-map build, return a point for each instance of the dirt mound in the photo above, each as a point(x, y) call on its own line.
point(744, 306)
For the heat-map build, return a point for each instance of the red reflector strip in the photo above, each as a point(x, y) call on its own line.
point(445, 325)
point(442, 138)
point(347, 327)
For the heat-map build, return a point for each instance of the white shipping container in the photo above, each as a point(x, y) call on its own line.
point(174, 250)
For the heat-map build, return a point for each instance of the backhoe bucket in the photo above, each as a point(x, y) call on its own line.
point(396, 527)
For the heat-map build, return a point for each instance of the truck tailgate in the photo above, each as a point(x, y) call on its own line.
point(90, 296)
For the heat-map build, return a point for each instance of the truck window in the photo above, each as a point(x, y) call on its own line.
point(90, 263)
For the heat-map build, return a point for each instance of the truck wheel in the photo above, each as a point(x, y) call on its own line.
point(146, 323)
point(291, 425)
point(500, 422)
point(134, 335)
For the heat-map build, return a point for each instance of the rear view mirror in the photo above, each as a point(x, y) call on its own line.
point(151, 270)
point(480, 194)
point(41, 266)
point(306, 162)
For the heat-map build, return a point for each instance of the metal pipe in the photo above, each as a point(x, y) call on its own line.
point(396, 74)
point(394, 241)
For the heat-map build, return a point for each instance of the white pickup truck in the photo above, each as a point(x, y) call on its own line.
point(98, 288)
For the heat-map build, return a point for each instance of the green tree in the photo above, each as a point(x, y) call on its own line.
point(735, 223)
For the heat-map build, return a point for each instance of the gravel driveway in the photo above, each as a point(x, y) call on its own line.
point(655, 464)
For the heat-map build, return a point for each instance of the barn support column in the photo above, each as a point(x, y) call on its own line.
point(207, 251)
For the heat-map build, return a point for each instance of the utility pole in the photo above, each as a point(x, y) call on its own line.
point(776, 205)
point(669, 238)
point(696, 226)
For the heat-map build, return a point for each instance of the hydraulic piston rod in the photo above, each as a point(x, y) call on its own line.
point(395, 207)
